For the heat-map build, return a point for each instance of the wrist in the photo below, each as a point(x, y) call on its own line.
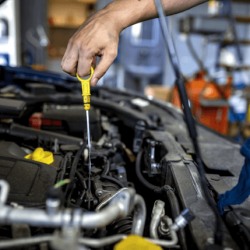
point(118, 16)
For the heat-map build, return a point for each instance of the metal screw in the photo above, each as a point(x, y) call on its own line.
point(210, 241)
point(120, 176)
point(99, 193)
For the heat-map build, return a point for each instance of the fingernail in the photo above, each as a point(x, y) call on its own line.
point(94, 81)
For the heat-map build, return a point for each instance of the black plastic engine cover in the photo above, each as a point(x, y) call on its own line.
point(28, 179)
point(74, 121)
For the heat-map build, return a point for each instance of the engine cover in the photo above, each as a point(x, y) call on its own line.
point(28, 179)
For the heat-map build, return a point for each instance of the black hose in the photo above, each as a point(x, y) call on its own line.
point(66, 159)
point(189, 119)
point(74, 166)
point(148, 185)
point(109, 178)
point(82, 180)
point(106, 170)
point(76, 161)
point(175, 210)
point(106, 167)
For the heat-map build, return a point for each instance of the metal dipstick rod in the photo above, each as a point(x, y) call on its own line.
point(89, 146)
point(86, 103)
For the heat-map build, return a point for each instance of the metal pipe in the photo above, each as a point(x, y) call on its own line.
point(4, 186)
point(33, 217)
point(10, 244)
point(39, 217)
point(97, 243)
point(106, 216)
point(140, 212)
point(93, 243)
point(120, 206)
point(106, 202)
point(167, 243)
point(139, 218)
point(157, 213)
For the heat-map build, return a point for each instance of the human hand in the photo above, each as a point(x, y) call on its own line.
point(98, 36)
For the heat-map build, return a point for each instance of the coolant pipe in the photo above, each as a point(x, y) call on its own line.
point(90, 242)
point(4, 192)
point(139, 216)
point(119, 207)
point(157, 213)
point(140, 212)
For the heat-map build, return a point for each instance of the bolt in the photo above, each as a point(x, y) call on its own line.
point(120, 176)
point(210, 241)
point(99, 193)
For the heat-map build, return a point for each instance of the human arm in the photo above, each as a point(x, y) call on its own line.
point(99, 35)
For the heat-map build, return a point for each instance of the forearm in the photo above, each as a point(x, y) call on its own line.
point(128, 12)
point(99, 35)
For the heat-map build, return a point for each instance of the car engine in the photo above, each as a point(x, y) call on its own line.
point(143, 183)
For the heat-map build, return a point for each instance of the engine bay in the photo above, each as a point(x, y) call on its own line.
point(144, 178)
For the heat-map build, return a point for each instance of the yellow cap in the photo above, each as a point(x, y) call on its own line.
point(41, 156)
point(86, 89)
point(134, 242)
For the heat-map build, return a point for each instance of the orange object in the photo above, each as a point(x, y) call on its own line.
point(208, 101)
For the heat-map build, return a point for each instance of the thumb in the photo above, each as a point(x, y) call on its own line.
point(102, 67)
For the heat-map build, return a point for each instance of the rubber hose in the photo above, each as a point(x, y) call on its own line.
point(74, 165)
point(76, 161)
point(175, 209)
point(64, 164)
point(150, 186)
point(109, 178)
point(83, 183)
point(106, 168)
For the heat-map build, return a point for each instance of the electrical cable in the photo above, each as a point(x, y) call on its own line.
point(66, 159)
point(74, 166)
point(82, 180)
point(189, 118)
point(61, 183)
point(76, 160)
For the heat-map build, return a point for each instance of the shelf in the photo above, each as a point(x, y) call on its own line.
point(241, 1)
point(230, 42)
point(242, 19)
point(64, 26)
point(239, 19)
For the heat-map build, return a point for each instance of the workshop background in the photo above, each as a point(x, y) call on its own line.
point(212, 42)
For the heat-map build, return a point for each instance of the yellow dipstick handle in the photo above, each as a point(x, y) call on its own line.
point(86, 89)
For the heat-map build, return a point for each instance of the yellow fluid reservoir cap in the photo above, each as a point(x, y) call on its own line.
point(134, 242)
point(41, 156)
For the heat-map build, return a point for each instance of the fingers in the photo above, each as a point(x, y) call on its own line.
point(70, 60)
point(108, 58)
point(94, 62)
point(84, 63)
